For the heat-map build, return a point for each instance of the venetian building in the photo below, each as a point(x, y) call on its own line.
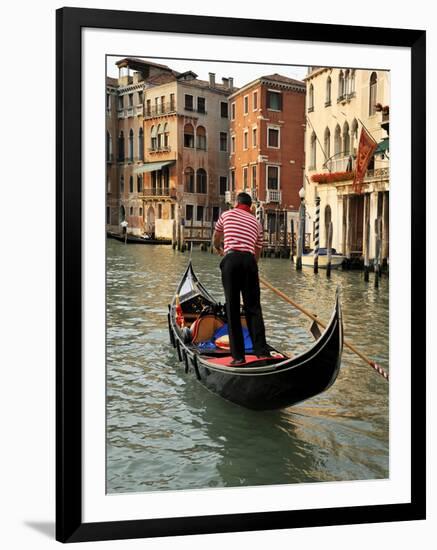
point(186, 140)
point(125, 141)
point(267, 145)
point(338, 103)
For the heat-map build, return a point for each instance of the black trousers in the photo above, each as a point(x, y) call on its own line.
point(240, 276)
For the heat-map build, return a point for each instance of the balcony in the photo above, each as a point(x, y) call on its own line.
point(130, 111)
point(158, 110)
point(139, 110)
point(379, 174)
point(340, 165)
point(121, 113)
point(230, 197)
point(273, 195)
point(159, 192)
point(162, 149)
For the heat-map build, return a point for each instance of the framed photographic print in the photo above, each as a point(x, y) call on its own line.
point(201, 160)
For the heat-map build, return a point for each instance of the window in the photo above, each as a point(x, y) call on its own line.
point(273, 177)
point(130, 100)
point(166, 136)
point(154, 138)
point(223, 184)
point(108, 185)
point(311, 98)
point(215, 213)
point(148, 107)
point(156, 106)
point(120, 152)
point(108, 215)
point(201, 105)
point(245, 180)
point(120, 102)
point(255, 100)
point(232, 144)
point(341, 85)
point(328, 92)
point(108, 146)
point(160, 133)
point(313, 146)
point(201, 138)
point(201, 181)
point(188, 135)
point(200, 210)
point(172, 211)
point(131, 184)
point(172, 103)
point(372, 93)
point(337, 140)
point(141, 144)
point(352, 82)
point(189, 180)
point(246, 104)
point(159, 211)
point(131, 211)
point(189, 211)
point(232, 180)
point(354, 136)
point(140, 97)
point(273, 137)
point(254, 177)
point(223, 109)
point(346, 140)
point(188, 102)
point(254, 137)
point(121, 184)
point(108, 101)
point(233, 111)
point(346, 82)
point(141, 212)
point(223, 141)
point(140, 184)
point(327, 143)
point(131, 145)
point(163, 104)
point(245, 139)
point(274, 100)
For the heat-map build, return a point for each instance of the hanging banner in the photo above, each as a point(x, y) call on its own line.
point(366, 148)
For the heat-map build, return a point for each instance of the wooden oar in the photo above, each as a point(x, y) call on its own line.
point(374, 365)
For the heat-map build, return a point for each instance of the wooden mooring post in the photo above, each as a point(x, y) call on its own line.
point(292, 244)
point(300, 237)
point(329, 251)
point(316, 236)
point(377, 258)
point(366, 251)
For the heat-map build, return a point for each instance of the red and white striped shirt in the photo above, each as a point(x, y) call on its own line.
point(241, 229)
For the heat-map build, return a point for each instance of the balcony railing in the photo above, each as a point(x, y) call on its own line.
point(377, 174)
point(273, 195)
point(230, 197)
point(130, 111)
point(339, 165)
point(157, 110)
point(159, 192)
point(162, 149)
point(139, 109)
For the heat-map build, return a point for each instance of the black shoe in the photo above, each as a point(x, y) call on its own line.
point(237, 362)
point(263, 354)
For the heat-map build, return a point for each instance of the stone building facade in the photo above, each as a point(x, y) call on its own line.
point(339, 103)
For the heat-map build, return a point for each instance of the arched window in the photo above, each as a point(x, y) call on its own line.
point(131, 184)
point(141, 144)
point(373, 93)
point(188, 135)
point(160, 136)
point(201, 138)
point(354, 136)
point(108, 147)
point(153, 138)
point(327, 143)
point(341, 85)
point(201, 181)
point(122, 213)
point(346, 140)
point(131, 211)
point(337, 140)
point(311, 98)
point(346, 82)
point(131, 145)
point(140, 183)
point(120, 152)
point(121, 185)
point(166, 136)
point(328, 218)
point(189, 180)
point(352, 82)
point(328, 92)
point(313, 151)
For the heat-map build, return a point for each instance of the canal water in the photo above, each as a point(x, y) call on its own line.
point(166, 432)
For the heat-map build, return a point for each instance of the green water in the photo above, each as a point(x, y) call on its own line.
point(165, 431)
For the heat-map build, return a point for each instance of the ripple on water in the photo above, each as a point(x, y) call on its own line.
point(166, 432)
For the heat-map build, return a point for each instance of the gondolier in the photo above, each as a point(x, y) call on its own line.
point(242, 235)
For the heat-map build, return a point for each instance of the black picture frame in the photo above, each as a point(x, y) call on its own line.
point(69, 524)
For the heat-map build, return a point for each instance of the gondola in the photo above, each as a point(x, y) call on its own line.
point(272, 382)
point(135, 239)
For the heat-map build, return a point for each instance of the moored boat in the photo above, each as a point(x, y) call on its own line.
point(136, 239)
point(195, 321)
point(336, 259)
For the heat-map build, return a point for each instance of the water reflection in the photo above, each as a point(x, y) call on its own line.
point(165, 431)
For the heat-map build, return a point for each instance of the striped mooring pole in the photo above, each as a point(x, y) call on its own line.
point(316, 236)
